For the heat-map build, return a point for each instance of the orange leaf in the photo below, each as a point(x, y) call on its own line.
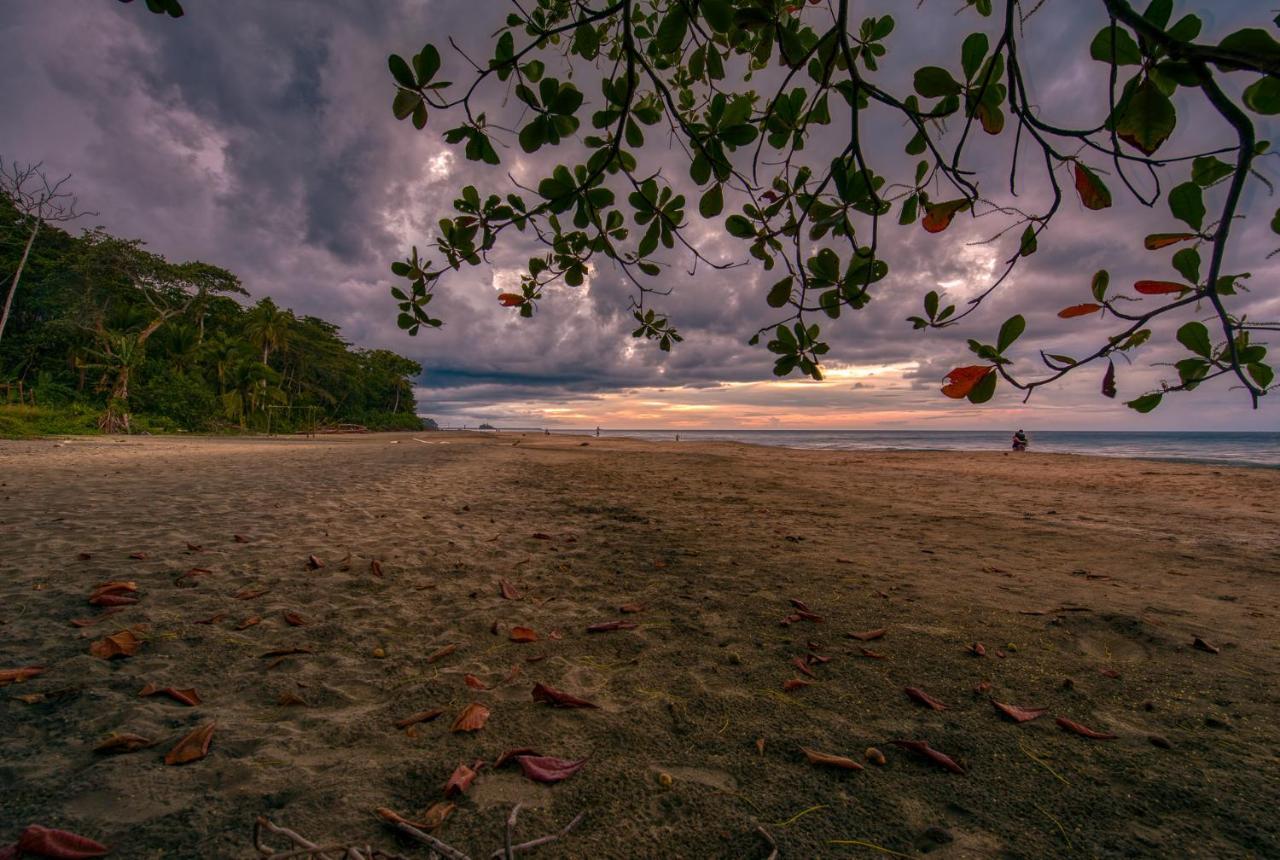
point(963, 380)
point(474, 683)
point(1093, 194)
point(874, 655)
point(507, 590)
point(559, 698)
point(460, 781)
point(1159, 288)
point(839, 761)
point(375, 567)
point(1017, 714)
point(420, 717)
point(295, 620)
point(251, 621)
point(187, 697)
point(1079, 310)
point(795, 684)
point(122, 644)
point(472, 718)
point(441, 653)
point(17, 676)
point(606, 626)
point(868, 635)
point(1083, 731)
point(193, 747)
point(434, 817)
point(510, 300)
point(938, 215)
point(249, 593)
point(799, 663)
point(924, 698)
point(124, 742)
point(523, 634)
point(923, 748)
point(113, 593)
point(1156, 241)
point(56, 844)
point(314, 563)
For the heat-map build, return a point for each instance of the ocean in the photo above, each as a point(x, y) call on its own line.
point(1246, 449)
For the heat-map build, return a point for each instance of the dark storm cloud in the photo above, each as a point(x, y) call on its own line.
point(258, 136)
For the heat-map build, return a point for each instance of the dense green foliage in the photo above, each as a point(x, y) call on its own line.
point(108, 334)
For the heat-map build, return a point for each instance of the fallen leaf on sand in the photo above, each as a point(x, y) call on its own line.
point(1109, 672)
point(631, 608)
point(434, 816)
point(213, 619)
point(295, 620)
point(314, 563)
point(187, 697)
point(193, 747)
point(194, 547)
point(816, 659)
point(923, 748)
point(535, 658)
point(1017, 714)
point(112, 600)
point(559, 698)
point(57, 844)
point(194, 572)
point(285, 652)
point(460, 781)
point(839, 761)
point(759, 746)
point(977, 649)
point(1083, 731)
point(799, 604)
point(799, 663)
point(290, 699)
point(420, 717)
point(508, 755)
point(875, 756)
point(869, 635)
point(555, 635)
point(523, 634)
point(84, 556)
point(541, 768)
point(874, 655)
point(114, 594)
point(844, 561)
point(474, 683)
point(17, 676)
point(89, 622)
point(918, 695)
point(240, 538)
point(249, 593)
point(805, 615)
point(251, 621)
point(507, 590)
point(122, 644)
point(375, 567)
point(789, 620)
point(795, 684)
point(138, 555)
point(472, 718)
point(1205, 646)
point(606, 626)
point(540, 536)
point(441, 653)
point(124, 742)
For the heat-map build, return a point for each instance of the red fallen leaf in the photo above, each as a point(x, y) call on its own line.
point(817, 659)
point(1159, 288)
point(460, 781)
point(507, 590)
point(420, 717)
point(196, 571)
point(1205, 646)
point(240, 538)
point(249, 593)
point(540, 536)
point(916, 694)
point(511, 300)
point(213, 619)
point(251, 621)
point(631, 608)
point(795, 684)
point(187, 697)
point(115, 586)
point(874, 655)
point(523, 634)
point(474, 683)
point(1093, 194)
point(193, 747)
point(122, 644)
point(808, 616)
point(869, 635)
point(138, 555)
point(1079, 310)
point(314, 563)
point(112, 600)
point(507, 755)
point(290, 699)
point(977, 649)
point(17, 676)
point(555, 635)
point(1001, 654)
point(285, 652)
point(800, 664)
point(472, 718)
point(294, 619)
point(799, 604)
point(923, 748)
point(606, 626)
point(441, 653)
point(1017, 714)
point(789, 620)
point(375, 567)
point(541, 768)
point(815, 757)
point(535, 658)
point(1109, 672)
point(559, 698)
point(1156, 241)
point(57, 844)
point(434, 816)
point(124, 742)
point(964, 379)
point(194, 547)
point(938, 215)
point(1083, 731)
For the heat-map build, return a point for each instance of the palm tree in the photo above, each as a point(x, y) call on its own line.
point(251, 384)
point(267, 326)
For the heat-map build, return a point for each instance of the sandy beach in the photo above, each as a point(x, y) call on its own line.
point(1086, 580)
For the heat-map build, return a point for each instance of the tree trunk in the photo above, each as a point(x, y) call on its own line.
point(13, 290)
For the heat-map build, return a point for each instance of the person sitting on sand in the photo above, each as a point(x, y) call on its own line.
point(1020, 441)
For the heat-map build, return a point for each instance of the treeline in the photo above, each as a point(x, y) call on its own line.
point(104, 331)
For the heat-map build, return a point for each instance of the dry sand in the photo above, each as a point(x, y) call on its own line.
point(1067, 565)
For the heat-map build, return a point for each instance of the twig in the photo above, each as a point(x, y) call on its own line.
point(543, 840)
point(773, 846)
point(511, 826)
point(441, 848)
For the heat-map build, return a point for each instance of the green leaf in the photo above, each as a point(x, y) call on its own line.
point(1146, 119)
point(401, 72)
point(671, 31)
point(1187, 28)
point(983, 391)
point(406, 101)
point(1101, 280)
point(779, 293)
point(712, 202)
point(1255, 44)
point(1206, 170)
point(1010, 331)
point(934, 82)
point(1186, 202)
point(1158, 12)
point(426, 64)
point(1262, 374)
point(972, 53)
point(1195, 337)
point(1146, 402)
point(909, 207)
point(1263, 96)
point(1126, 50)
point(1187, 262)
point(719, 14)
point(738, 226)
point(1027, 245)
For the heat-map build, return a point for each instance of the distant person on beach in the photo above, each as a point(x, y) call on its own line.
point(597, 432)
point(1020, 441)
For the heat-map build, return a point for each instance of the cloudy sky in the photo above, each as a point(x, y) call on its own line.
point(258, 136)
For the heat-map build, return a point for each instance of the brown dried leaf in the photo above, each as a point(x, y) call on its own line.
point(420, 717)
point(548, 769)
point(606, 626)
point(869, 635)
point(285, 652)
point(523, 634)
point(194, 547)
point(923, 748)
point(507, 755)
point(795, 684)
point(189, 698)
point(1109, 672)
point(815, 757)
point(759, 746)
point(138, 555)
point(193, 747)
point(977, 649)
point(441, 653)
point(112, 600)
point(240, 538)
point(37, 841)
point(474, 683)
point(89, 622)
point(251, 621)
point(122, 644)
point(213, 619)
point(250, 593)
point(559, 698)
point(805, 615)
point(124, 742)
point(799, 604)
point(1083, 731)
point(435, 815)
point(507, 590)
point(799, 663)
point(1205, 646)
point(375, 567)
point(291, 699)
point(1017, 714)
point(874, 655)
point(540, 536)
point(631, 608)
point(460, 781)
point(17, 676)
point(294, 619)
point(918, 695)
point(472, 718)
point(313, 563)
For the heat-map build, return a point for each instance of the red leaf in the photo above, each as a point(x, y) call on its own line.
point(420, 717)
point(1083, 731)
point(124, 742)
point(17, 676)
point(510, 300)
point(138, 555)
point(869, 635)
point(251, 621)
point(874, 655)
point(285, 652)
point(1109, 672)
point(808, 616)
point(472, 718)
point(115, 593)
point(1079, 310)
point(314, 563)
point(839, 761)
point(441, 653)
point(460, 781)
point(800, 664)
point(249, 593)
point(213, 619)
point(507, 590)
point(1093, 193)
point(1017, 714)
point(294, 619)
point(187, 697)
point(795, 684)
point(799, 604)
point(606, 626)
point(559, 698)
point(1159, 288)
point(541, 768)
point(1205, 646)
point(375, 567)
point(474, 683)
point(977, 649)
point(58, 844)
point(631, 608)
point(923, 748)
point(924, 698)
point(964, 379)
point(938, 215)
point(507, 755)
point(193, 747)
point(240, 538)
point(523, 634)
point(1156, 241)
point(122, 644)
